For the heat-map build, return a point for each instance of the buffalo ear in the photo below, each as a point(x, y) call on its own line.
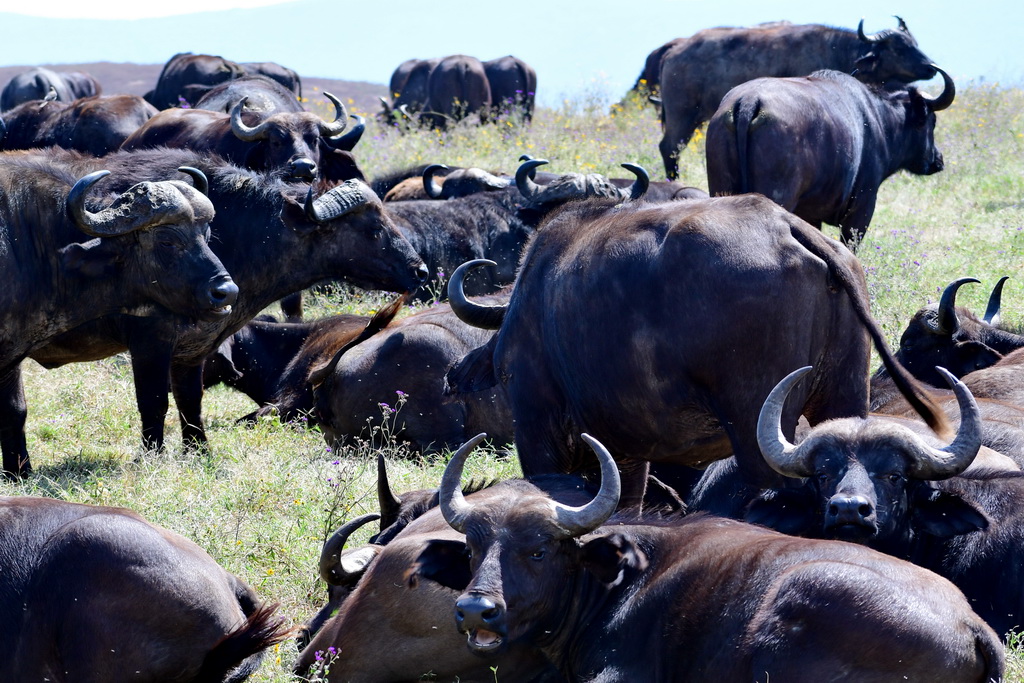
point(790, 511)
point(293, 213)
point(943, 514)
point(94, 259)
point(867, 64)
point(473, 372)
point(444, 562)
point(608, 557)
point(338, 165)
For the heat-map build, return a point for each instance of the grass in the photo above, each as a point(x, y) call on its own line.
point(262, 502)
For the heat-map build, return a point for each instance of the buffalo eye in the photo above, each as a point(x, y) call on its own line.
point(822, 477)
point(538, 555)
point(895, 477)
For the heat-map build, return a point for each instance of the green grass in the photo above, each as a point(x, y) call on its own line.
point(264, 499)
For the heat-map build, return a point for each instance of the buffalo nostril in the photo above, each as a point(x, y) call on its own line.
point(224, 293)
point(490, 614)
point(864, 510)
point(305, 168)
point(833, 510)
point(422, 272)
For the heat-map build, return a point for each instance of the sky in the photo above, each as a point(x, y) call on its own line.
point(575, 46)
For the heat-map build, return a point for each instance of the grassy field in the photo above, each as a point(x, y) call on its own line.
point(263, 500)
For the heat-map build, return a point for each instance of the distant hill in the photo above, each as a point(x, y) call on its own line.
point(137, 79)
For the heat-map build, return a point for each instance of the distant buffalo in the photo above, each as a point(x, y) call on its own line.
point(187, 77)
point(37, 83)
point(696, 73)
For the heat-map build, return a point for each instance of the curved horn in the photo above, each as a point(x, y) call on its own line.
point(404, 111)
point(453, 504)
point(947, 321)
point(330, 557)
point(335, 127)
point(873, 38)
point(470, 312)
point(942, 463)
point(900, 24)
point(944, 98)
point(524, 181)
point(350, 139)
point(995, 301)
point(242, 131)
point(199, 179)
point(3, 129)
point(390, 504)
point(336, 202)
point(576, 521)
point(430, 185)
point(642, 182)
point(778, 452)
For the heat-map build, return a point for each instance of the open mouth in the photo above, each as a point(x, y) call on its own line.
point(219, 312)
point(483, 640)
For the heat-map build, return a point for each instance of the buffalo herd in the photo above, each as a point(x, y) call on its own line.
point(715, 486)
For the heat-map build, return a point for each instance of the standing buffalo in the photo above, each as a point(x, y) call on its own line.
point(645, 325)
point(141, 604)
point(408, 88)
point(277, 238)
point(697, 73)
point(187, 77)
point(94, 125)
point(697, 599)
point(39, 83)
point(149, 247)
point(513, 84)
point(289, 141)
point(456, 89)
point(821, 145)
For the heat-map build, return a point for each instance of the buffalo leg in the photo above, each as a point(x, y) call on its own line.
point(855, 221)
point(151, 368)
point(187, 384)
point(13, 411)
point(291, 306)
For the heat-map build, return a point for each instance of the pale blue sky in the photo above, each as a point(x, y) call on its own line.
point(572, 45)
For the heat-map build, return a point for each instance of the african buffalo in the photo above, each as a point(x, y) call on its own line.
point(264, 95)
point(276, 238)
point(456, 89)
point(821, 145)
point(901, 492)
point(402, 368)
point(622, 316)
point(188, 76)
point(408, 88)
point(513, 84)
point(289, 78)
point(726, 600)
point(952, 337)
point(254, 359)
point(495, 225)
point(289, 141)
point(149, 252)
point(94, 125)
point(142, 604)
point(38, 83)
point(697, 73)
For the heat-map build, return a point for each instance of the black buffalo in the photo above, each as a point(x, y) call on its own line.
point(142, 604)
point(278, 238)
point(495, 225)
point(456, 89)
point(623, 316)
point(149, 247)
point(741, 603)
point(40, 83)
point(391, 386)
point(821, 145)
point(696, 74)
point(880, 483)
point(264, 95)
point(94, 125)
point(186, 77)
point(408, 87)
point(952, 337)
point(286, 140)
point(513, 84)
point(289, 78)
